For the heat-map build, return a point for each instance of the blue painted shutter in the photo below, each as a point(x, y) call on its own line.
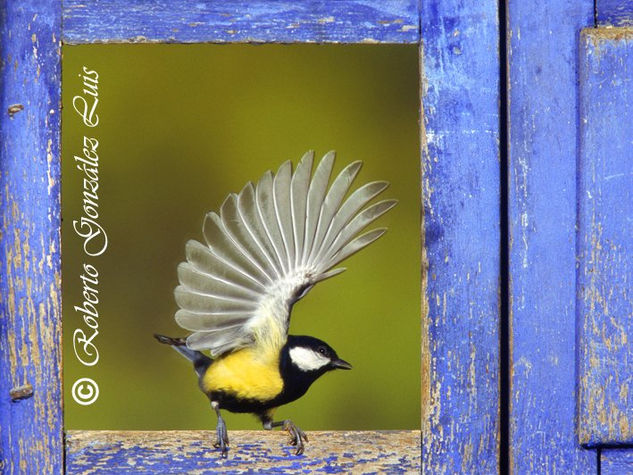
point(604, 309)
point(605, 238)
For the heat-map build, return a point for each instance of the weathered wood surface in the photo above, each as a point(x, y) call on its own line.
point(31, 438)
point(616, 461)
point(614, 12)
point(460, 190)
point(238, 21)
point(605, 238)
point(251, 451)
point(543, 122)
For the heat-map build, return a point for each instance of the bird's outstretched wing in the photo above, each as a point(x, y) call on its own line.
point(267, 247)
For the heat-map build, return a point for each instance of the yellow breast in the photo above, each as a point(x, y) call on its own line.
point(247, 373)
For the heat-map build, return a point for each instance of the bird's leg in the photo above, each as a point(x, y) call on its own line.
point(297, 436)
point(222, 441)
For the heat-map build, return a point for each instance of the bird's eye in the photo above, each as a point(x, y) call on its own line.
point(322, 350)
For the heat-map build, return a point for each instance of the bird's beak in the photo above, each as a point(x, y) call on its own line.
point(341, 364)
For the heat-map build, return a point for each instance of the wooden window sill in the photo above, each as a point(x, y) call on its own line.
point(89, 451)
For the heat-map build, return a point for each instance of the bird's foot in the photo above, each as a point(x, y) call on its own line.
point(297, 436)
point(222, 441)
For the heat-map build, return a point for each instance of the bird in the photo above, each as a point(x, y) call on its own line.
point(265, 249)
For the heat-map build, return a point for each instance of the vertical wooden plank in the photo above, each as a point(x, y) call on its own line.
point(605, 238)
point(460, 189)
point(31, 438)
point(543, 122)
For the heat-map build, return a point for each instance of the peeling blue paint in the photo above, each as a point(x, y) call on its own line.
point(349, 21)
point(30, 295)
point(542, 45)
point(605, 238)
point(614, 13)
point(616, 461)
point(461, 196)
point(168, 452)
point(543, 134)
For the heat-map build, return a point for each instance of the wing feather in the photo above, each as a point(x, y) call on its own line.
point(267, 247)
point(203, 260)
point(357, 244)
point(299, 186)
point(209, 322)
point(201, 303)
point(221, 341)
point(316, 193)
point(332, 202)
point(242, 238)
point(346, 212)
point(265, 208)
point(356, 225)
point(222, 245)
point(247, 208)
point(281, 195)
point(203, 283)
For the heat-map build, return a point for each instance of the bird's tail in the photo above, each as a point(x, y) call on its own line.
point(200, 361)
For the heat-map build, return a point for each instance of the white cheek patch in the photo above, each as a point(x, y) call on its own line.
point(307, 360)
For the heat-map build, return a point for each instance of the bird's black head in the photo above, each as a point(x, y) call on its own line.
point(311, 355)
point(303, 360)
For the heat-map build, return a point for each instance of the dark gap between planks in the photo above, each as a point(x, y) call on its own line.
point(504, 237)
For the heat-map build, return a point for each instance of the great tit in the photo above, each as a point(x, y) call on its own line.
point(266, 248)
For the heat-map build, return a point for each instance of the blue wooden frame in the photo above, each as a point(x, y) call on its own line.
point(463, 412)
point(241, 21)
point(31, 436)
point(470, 141)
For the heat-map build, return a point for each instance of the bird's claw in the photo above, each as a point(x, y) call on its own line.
point(297, 436)
point(222, 441)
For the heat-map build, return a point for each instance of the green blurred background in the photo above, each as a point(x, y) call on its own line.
point(182, 126)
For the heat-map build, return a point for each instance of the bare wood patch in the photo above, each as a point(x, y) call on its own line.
point(193, 452)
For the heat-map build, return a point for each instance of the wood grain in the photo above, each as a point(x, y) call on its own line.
point(614, 13)
point(616, 461)
point(241, 21)
point(251, 451)
point(31, 439)
point(460, 193)
point(543, 123)
point(605, 245)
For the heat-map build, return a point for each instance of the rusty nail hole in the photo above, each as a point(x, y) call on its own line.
point(21, 392)
point(14, 109)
